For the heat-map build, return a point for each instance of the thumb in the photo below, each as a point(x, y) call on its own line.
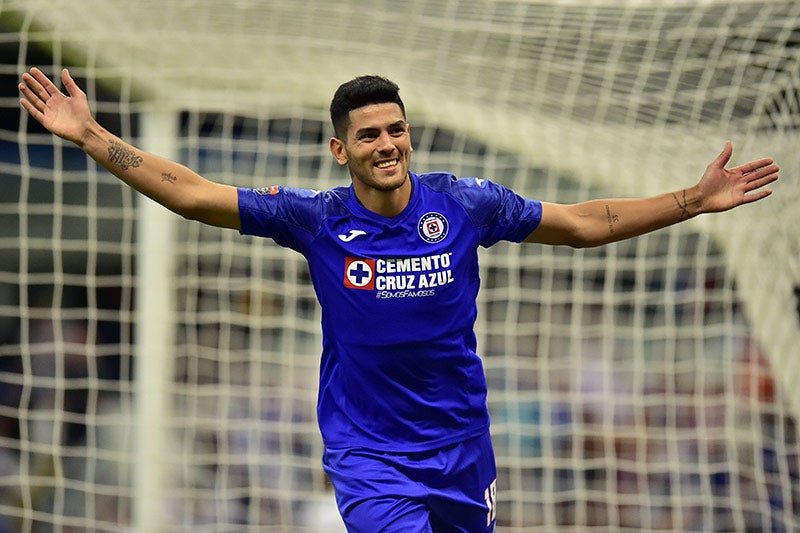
point(723, 158)
point(69, 84)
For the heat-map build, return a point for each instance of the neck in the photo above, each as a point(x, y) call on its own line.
point(385, 203)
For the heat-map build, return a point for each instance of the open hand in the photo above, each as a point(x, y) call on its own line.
point(722, 188)
point(67, 116)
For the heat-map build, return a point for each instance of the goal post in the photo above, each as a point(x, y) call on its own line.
point(155, 334)
point(158, 374)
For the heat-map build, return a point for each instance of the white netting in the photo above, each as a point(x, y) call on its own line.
point(646, 385)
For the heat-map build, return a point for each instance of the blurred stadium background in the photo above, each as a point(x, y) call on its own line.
point(157, 375)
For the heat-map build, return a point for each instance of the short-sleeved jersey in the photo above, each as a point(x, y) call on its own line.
point(399, 368)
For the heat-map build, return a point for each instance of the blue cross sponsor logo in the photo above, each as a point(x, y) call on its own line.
point(359, 273)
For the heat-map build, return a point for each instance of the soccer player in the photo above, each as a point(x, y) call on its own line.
point(393, 259)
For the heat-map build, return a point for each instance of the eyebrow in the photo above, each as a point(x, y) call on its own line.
point(401, 122)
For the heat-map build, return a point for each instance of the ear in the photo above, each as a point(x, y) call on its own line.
point(338, 150)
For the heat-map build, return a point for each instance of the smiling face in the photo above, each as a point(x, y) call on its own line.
point(377, 151)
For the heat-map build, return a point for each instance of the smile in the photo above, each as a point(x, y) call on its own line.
point(386, 164)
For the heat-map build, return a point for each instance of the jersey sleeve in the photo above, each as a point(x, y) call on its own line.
point(498, 212)
point(289, 216)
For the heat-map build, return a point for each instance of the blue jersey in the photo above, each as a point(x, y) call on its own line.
point(399, 368)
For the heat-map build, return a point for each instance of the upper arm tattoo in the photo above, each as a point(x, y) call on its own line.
point(122, 156)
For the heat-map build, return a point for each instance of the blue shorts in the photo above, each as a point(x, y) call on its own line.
point(448, 490)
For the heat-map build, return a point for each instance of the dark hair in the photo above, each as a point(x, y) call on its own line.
point(359, 92)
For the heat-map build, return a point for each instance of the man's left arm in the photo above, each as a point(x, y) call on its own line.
point(598, 222)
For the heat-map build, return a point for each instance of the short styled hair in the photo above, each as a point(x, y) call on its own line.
point(360, 92)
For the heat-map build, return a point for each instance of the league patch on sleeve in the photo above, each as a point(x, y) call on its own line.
point(272, 190)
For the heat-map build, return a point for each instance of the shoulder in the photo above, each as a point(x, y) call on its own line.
point(276, 198)
point(449, 182)
point(496, 211)
point(469, 191)
point(272, 211)
point(463, 189)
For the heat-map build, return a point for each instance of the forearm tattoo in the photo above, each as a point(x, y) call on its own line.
point(682, 205)
point(121, 156)
point(168, 176)
point(612, 219)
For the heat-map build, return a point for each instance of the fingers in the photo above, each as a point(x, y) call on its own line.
point(764, 181)
point(31, 109)
point(44, 82)
point(757, 173)
point(754, 197)
point(757, 179)
point(32, 103)
point(33, 89)
point(35, 83)
point(762, 177)
point(756, 165)
point(38, 90)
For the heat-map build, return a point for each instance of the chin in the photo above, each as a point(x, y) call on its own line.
point(390, 183)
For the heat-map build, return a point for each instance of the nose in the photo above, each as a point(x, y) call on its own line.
point(385, 143)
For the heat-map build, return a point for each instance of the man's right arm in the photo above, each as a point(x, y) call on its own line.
point(171, 184)
point(174, 186)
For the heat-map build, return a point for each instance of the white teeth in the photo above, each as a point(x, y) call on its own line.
point(387, 164)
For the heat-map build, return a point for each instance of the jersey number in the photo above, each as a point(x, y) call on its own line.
point(490, 496)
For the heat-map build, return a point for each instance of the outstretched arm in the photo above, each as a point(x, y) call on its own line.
point(168, 183)
point(598, 222)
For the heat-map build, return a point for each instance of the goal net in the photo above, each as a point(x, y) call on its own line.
point(160, 375)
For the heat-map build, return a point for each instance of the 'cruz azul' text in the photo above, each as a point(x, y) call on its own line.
point(400, 277)
point(411, 273)
point(424, 280)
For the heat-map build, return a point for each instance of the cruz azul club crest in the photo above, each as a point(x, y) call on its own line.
point(433, 227)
